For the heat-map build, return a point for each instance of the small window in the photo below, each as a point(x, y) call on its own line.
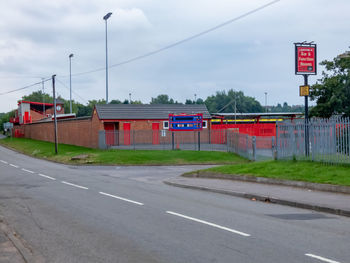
point(205, 124)
point(166, 125)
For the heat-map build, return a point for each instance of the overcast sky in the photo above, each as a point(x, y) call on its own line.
point(254, 54)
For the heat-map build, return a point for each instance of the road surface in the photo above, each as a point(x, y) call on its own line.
point(126, 214)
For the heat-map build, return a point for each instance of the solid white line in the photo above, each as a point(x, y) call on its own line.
point(3, 161)
point(121, 198)
point(75, 185)
point(321, 258)
point(46, 176)
point(13, 165)
point(28, 171)
point(210, 224)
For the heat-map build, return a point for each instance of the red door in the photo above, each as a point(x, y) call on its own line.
point(109, 130)
point(155, 133)
point(126, 127)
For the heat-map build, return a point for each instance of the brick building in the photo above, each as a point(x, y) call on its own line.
point(113, 120)
point(29, 111)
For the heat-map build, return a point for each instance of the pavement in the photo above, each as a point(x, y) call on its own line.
point(323, 201)
point(9, 253)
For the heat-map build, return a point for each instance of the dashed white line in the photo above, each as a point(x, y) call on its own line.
point(322, 258)
point(28, 171)
point(75, 185)
point(46, 176)
point(13, 165)
point(121, 198)
point(3, 161)
point(209, 224)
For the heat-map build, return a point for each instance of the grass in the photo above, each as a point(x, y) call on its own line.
point(291, 170)
point(45, 150)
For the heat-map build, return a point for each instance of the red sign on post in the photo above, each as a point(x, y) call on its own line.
point(305, 59)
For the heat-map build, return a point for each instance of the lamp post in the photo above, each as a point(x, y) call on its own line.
point(70, 82)
point(266, 101)
point(105, 18)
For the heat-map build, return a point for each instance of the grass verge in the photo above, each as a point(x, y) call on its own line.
point(290, 170)
point(41, 149)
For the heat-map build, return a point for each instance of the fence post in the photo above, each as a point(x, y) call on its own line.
point(172, 141)
point(227, 144)
point(199, 140)
point(254, 147)
point(276, 144)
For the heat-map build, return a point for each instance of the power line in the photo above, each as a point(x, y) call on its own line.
point(180, 41)
point(25, 87)
point(158, 50)
point(64, 85)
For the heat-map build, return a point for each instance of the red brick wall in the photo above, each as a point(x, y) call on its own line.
point(76, 132)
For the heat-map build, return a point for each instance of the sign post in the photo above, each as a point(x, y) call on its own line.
point(305, 64)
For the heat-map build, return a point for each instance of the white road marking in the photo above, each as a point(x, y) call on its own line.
point(322, 258)
point(121, 198)
point(46, 176)
point(28, 171)
point(3, 161)
point(13, 165)
point(209, 224)
point(75, 185)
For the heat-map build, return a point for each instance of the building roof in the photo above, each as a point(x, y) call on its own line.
point(147, 111)
point(259, 114)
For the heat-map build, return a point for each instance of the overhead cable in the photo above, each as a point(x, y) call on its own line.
point(180, 41)
point(25, 87)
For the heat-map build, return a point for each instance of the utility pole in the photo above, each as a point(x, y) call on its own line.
point(235, 108)
point(105, 18)
point(54, 105)
point(70, 82)
point(42, 84)
point(130, 98)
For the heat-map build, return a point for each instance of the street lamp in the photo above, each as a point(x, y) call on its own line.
point(70, 81)
point(266, 101)
point(105, 18)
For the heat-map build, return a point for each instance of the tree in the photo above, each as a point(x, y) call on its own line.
point(115, 102)
point(38, 96)
point(222, 102)
point(162, 99)
point(5, 117)
point(332, 91)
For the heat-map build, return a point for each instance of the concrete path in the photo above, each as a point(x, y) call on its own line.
point(334, 203)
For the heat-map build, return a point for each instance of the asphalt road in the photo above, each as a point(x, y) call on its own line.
point(126, 214)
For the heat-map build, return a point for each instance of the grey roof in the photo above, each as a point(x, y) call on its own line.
point(147, 111)
point(257, 114)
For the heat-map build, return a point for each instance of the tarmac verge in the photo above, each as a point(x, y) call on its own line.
point(298, 195)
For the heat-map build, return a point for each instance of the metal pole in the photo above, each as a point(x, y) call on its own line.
point(266, 101)
point(306, 119)
point(235, 109)
point(42, 84)
point(199, 140)
point(54, 105)
point(106, 65)
point(70, 82)
point(172, 141)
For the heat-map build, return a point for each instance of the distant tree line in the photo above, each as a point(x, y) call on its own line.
point(222, 101)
